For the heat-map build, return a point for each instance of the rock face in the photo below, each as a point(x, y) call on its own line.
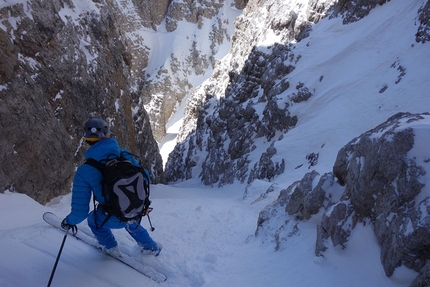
point(151, 12)
point(235, 120)
point(353, 11)
point(382, 184)
point(244, 108)
point(298, 202)
point(57, 70)
point(221, 122)
point(192, 11)
point(378, 178)
point(238, 105)
point(423, 34)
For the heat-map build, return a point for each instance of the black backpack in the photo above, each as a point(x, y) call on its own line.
point(125, 188)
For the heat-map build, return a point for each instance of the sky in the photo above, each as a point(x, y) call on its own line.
point(208, 234)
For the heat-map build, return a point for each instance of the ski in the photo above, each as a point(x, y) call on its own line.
point(87, 237)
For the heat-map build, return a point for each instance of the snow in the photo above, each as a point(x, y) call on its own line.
point(208, 234)
point(208, 239)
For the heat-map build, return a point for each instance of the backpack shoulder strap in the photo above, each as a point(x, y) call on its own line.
point(100, 167)
point(126, 155)
point(127, 152)
point(96, 164)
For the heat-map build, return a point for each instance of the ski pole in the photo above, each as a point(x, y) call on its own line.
point(149, 219)
point(58, 257)
point(150, 223)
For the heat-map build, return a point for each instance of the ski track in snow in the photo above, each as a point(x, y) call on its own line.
point(190, 252)
point(208, 240)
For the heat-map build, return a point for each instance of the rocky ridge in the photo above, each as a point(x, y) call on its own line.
point(221, 125)
point(377, 179)
point(250, 78)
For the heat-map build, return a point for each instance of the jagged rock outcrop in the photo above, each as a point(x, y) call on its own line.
point(379, 179)
point(234, 119)
point(192, 11)
point(354, 10)
point(382, 184)
point(280, 219)
point(423, 278)
point(240, 4)
point(423, 33)
point(151, 12)
point(221, 122)
point(58, 68)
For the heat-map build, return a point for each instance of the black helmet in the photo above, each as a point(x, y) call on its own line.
point(95, 129)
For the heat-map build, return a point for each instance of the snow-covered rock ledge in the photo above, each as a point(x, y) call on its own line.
point(379, 178)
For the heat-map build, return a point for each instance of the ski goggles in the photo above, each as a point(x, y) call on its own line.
point(91, 139)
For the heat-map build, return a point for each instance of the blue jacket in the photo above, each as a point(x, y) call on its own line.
point(87, 179)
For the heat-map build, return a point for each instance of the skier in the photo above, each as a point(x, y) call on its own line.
point(87, 179)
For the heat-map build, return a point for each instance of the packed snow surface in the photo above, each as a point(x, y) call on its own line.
point(208, 239)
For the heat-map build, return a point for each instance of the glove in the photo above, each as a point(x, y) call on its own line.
point(67, 226)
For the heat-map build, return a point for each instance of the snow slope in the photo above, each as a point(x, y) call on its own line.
point(347, 68)
point(208, 241)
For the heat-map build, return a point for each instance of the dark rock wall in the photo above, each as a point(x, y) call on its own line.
point(56, 73)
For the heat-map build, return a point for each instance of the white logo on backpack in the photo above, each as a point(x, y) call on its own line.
point(133, 188)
